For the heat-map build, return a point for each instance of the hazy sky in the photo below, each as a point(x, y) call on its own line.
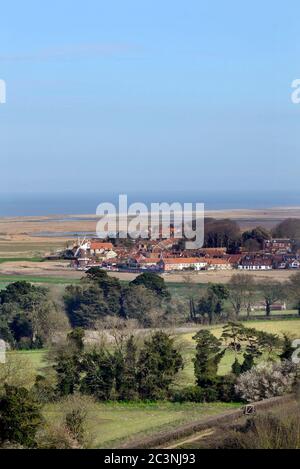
point(160, 94)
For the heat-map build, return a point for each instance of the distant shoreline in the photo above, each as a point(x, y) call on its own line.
point(70, 204)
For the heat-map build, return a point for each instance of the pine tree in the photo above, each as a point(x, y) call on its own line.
point(207, 359)
point(128, 389)
point(20, 417)
point(98, 370)
point(287, 349)
point(158, 364)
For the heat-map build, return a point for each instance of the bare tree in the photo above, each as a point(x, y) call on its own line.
point(241, 292)
point(271, 291)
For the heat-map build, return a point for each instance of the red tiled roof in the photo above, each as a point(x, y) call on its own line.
point(185, 260)
point(213, 250)
point(256, 262)
point(217, 261)
point(234, 258)
point(96, 245)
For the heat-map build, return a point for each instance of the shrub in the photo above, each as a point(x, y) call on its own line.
point(266, 432)
point(75, 410)
point(225, 387)
point(44, 389)
point(195, 394)
point(55, 437)
point(267, 380)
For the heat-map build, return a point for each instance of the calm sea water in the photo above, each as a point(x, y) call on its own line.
point(37, 204)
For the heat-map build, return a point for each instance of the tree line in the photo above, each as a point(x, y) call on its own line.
point(30, 318)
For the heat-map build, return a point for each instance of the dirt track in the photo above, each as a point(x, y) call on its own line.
point(179, 435)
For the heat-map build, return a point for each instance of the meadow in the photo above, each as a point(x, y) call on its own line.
point(111, 424)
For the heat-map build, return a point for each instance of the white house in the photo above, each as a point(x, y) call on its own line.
point(182, 263)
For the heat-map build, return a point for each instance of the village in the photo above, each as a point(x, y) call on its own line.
point(170, 255)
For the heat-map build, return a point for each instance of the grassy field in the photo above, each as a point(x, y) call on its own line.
point(35, 357)
point(18, 259)
point(36, 279)
point(26, 248)
point(111, 424)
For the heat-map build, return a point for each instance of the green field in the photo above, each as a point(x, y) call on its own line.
point(35, 357)
point(111, 424)
point(36, 279)
point(20, 259)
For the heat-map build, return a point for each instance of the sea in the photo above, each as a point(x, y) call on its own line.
point(84, 203)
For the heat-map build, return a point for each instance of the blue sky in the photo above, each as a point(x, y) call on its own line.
point(149, 95)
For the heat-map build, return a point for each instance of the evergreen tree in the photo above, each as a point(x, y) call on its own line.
point(153, 282)
point(287, 349)
point(207, 359)
point(76, 339)
point(128, 389)
point(110, 287)
point(158, 364)
point(67, 367)
point(98, 374)
point(248, 362)
point(20, 417)
point(236, 367)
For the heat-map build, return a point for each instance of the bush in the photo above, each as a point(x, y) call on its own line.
point(223, 389)
point(226, 388)
point(56, 437)
point(195, 394)
point(267, 380)
point(266, 432)
point(75, 413)
point(44, 389)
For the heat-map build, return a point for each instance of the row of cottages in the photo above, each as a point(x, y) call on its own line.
point(219, 264)
point(149, 262)
point(194, 263)
point(249, 263)
point(182, 263)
